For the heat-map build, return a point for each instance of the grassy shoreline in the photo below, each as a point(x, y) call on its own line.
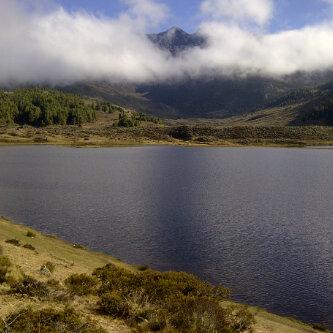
point(69, 259)
point(99, 135)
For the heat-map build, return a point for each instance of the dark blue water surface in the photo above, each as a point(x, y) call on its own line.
point(258, 220)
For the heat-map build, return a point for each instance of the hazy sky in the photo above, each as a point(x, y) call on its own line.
point(185, 13)
point(61, 41)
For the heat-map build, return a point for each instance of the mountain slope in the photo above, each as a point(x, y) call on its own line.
point(176, 40)
point(209, 97)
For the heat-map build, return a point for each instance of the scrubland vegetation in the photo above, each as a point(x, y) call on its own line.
point(65, 288)
point(44, 116)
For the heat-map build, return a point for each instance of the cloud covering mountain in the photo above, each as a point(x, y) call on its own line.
point(52, 45)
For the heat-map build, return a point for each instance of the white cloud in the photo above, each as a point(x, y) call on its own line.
point(232, 49)
point(148, 10)
point(256, 11)
point(59, 47)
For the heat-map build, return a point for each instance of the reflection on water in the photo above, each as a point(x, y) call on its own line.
point(257, 220)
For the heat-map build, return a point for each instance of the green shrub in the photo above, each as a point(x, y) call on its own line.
point(114, 305)
point(158, 286)
point(30, 234)
point(14, 242)
point(127, 120)
point(50, 320)
point(154, 301)
point(50, 266)
point(31, 287)
point(320, 327)
point(181, 133)
point(14, 275)
point(201, 315)
point(81, 284)
point(29, 247)
point(79, 246)
point(5, 264)
point(1, 250)
point(143, 268)
point(52, 283)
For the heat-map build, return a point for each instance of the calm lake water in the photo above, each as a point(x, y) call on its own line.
point(258, 220)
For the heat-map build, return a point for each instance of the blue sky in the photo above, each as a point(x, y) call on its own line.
point(288, 13)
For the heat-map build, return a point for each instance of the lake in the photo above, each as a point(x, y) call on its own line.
point(258, 220)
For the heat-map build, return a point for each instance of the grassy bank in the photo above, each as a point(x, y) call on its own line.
point(63, 268)
point(105, 136)
point(104, 132)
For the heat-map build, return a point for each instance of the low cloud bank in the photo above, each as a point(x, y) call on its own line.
point(58, 47)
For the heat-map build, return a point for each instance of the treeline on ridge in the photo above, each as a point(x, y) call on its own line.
point(42, 107)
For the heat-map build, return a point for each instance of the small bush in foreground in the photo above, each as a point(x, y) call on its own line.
point(31, 287)
point(50, 266)
point(5, 264)
point(30, 234)
point(143, 268)
point(54, 284)
point(79, 246)
point(29, 247)
point(320, 327)
point(14, 242)
point(49, 320)
point(181, 133)
point(154, 301)
point(81, 284)
point(114, 305)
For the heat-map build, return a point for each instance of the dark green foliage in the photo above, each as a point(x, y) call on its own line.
point(320, 327)
point(199, 315)
point(143, 268)
point(29, 247)
point(41, 107)
point(31, 287)
point(30, 234)
point(14, 242)
point(48, 320)
point(146, 118)
point(5, 264)
point(153, 301)
point(181, 133)
point(54, 284)
point(114, 305)
point(107, 107)
point(127, 120)
point(81, 284)
point(50, 266)
point(319, 112)
point(158, 286)
point(79, 246)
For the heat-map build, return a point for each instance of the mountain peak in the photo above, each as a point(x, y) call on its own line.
point(174, 30)
point(176, 40)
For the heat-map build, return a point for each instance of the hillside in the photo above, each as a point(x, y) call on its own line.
point(45, 279)
point(207, 96)
point(300, 107)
